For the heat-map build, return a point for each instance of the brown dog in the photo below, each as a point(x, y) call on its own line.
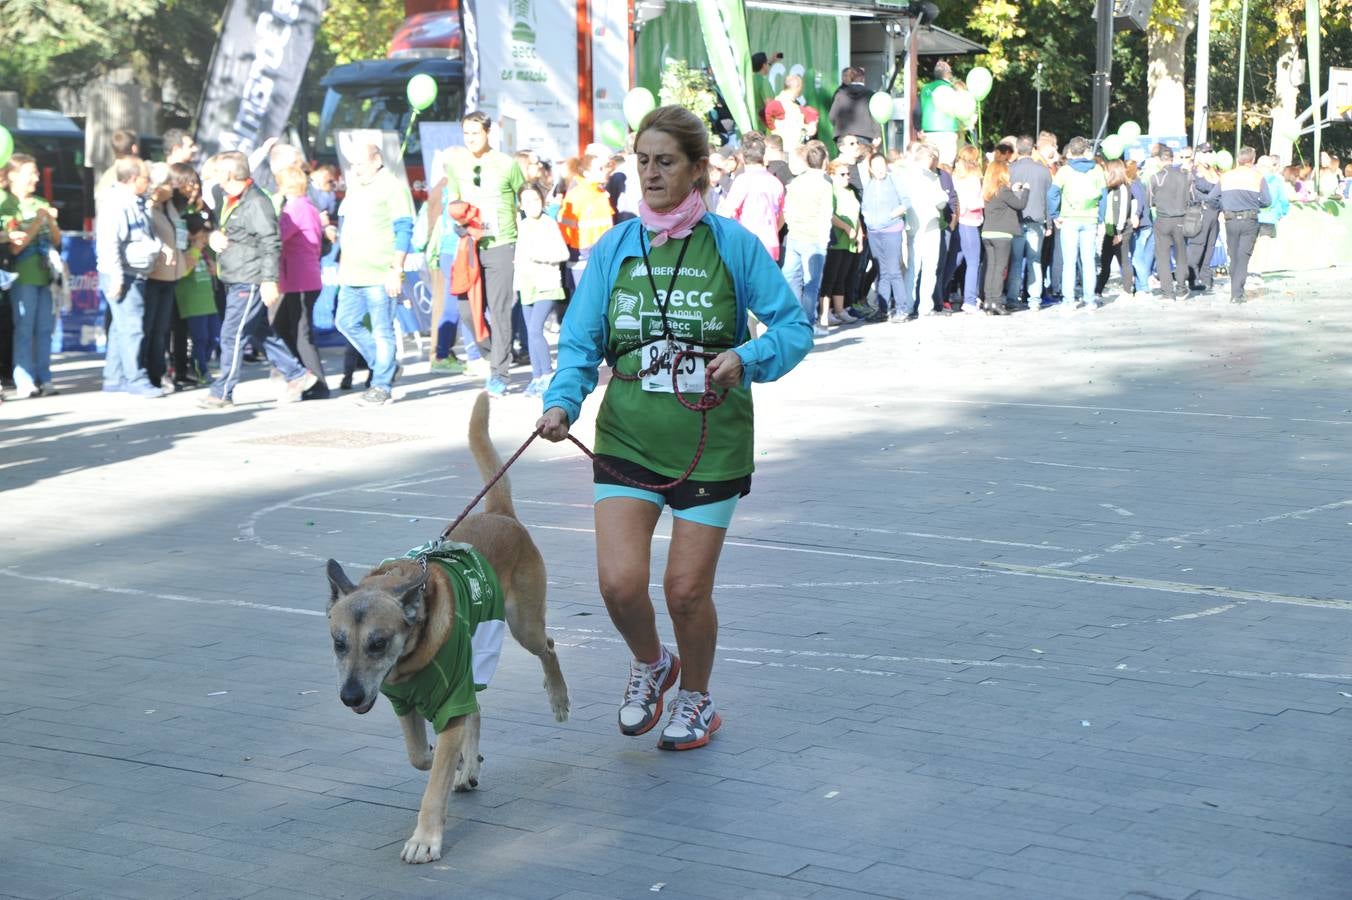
point(391, 626)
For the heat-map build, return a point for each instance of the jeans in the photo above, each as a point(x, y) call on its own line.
point(205, 332)
point(923, 252)
point(126, 303)
point(893, 288)
point(31, 310)
point(969, 252)
point(159, 306)
point(445, 317)
point(1051, 263)
point(375, 344)
point(803, 264)
point(536, 313)
point(1143, 256)
point(1025, 250)
point(247, 318)
point(1077, 246)
point(947, 242)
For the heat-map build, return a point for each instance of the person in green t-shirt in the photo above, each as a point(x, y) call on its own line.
point(30, 225)
point(490, 180)
point(940, 128)
point(376, 233)
point(665, 300)
point(761, 89)
point(1073, 203)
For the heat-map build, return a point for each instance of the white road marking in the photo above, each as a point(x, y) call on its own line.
point(928, 535)
point(136, 592)
point(1185, 617)
point(1171, 587)
point(595, 635)
point(1057, 465)
point(1121, 409)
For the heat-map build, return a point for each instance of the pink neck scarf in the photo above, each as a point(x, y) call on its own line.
point(677, 222)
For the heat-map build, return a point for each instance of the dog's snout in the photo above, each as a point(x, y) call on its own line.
point(352, 694)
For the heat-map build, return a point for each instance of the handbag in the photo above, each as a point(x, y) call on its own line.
point(1192, 216)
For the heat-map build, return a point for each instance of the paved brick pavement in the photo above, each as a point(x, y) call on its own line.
point(1044, 607)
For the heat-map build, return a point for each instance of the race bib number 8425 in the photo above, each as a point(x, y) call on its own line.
point(657, 361)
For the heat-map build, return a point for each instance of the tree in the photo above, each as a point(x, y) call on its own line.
point(55, 44)
point(359, 29)
point(1171, 23)
point(1059, 37)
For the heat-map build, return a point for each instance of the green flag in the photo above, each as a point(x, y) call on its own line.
point(724, 25)
point(1312, 36)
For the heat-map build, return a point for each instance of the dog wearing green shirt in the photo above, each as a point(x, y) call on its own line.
point(425, 630)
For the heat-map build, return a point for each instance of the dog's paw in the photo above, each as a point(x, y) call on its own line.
point(467, 776)
point(558, 702)
point(424, 762)
point(423, 847)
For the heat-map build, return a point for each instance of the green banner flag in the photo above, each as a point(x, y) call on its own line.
point(1312, 36)
point(724, 25)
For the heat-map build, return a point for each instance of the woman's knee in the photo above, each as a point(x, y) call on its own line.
point(622, 589)
point(686, 595)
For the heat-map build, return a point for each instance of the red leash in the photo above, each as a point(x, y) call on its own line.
point(710, 399)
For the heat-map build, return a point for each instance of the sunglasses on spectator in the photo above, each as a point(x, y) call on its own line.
point(478, 175)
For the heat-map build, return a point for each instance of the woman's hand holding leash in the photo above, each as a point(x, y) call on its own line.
point(725, 370)
point(553, 425)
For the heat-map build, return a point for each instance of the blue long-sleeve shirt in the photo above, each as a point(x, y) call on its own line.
point(760, 288)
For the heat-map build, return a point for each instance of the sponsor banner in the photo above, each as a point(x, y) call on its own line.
point(528, 72)
point(256, 72)
point(81, 326)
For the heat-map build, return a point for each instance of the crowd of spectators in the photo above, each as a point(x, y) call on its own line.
point(209, 265)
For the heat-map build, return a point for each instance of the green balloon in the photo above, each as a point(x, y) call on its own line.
point(422, 91)
point(1129, 131)
point(637, 104)
point(613, 134)
point(962, 105)
point(1224, 161)
point(880, 107)
point(979, 82)
point(1112, 147)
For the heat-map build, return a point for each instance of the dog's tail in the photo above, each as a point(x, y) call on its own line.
point(499, 499)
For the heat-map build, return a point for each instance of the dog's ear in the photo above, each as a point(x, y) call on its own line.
point(411, 598)
point(339, 584)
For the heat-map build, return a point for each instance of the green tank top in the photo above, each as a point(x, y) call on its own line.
point(642, 421)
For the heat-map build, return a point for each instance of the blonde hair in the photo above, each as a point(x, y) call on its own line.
point(968, 163)
point(687, 130)
point(292, 181)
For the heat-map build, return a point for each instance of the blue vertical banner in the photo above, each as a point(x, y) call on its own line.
point(81, 325)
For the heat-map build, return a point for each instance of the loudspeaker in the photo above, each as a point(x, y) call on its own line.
point(1132, 14)
point(1128, 14)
